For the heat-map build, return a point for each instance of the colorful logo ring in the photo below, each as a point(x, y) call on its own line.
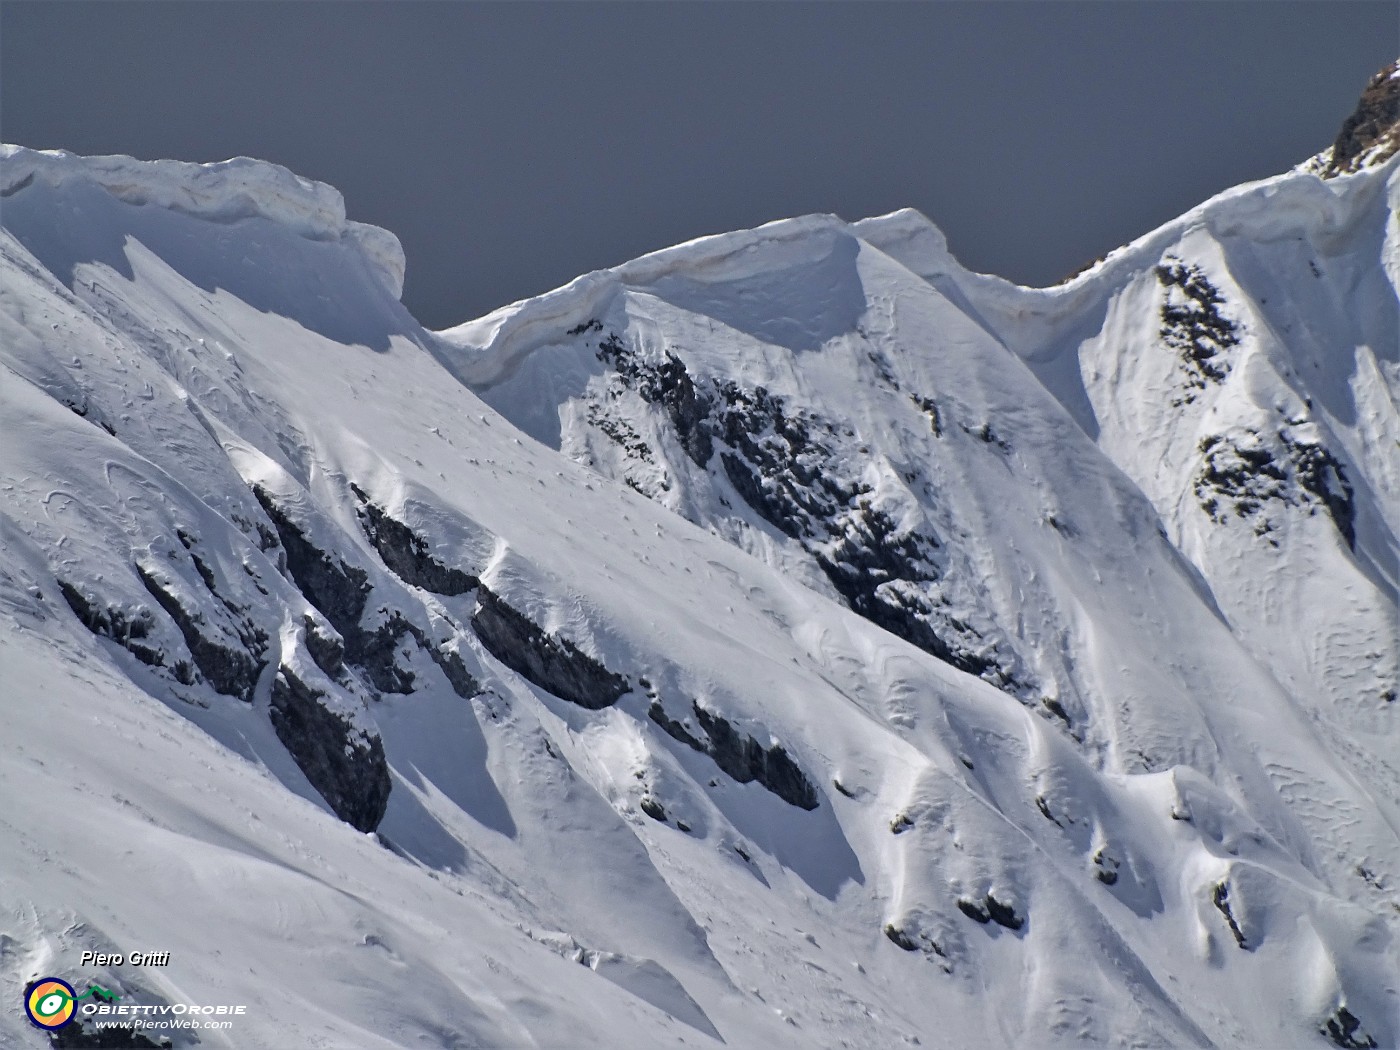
point(51, 1003)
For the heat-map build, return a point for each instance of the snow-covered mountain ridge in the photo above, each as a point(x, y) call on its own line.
point(1167, 354)
point(224, 192)
point(787, 638)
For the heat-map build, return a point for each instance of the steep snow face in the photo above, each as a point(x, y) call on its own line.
point(771, 641)
point(945, 454)
point(1241, 366)
point(849, 404)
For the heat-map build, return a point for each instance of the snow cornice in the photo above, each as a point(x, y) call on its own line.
point(226, 191)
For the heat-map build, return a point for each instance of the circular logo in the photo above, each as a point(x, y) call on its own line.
point(49, 1003)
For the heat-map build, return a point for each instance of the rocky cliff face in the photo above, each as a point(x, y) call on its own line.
point(1371, 135)
point(344, 764)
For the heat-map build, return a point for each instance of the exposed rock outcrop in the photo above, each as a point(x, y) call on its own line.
point(654, 809)
point(1323, 480)
point(782, 462)
point(463, 682)
point(343, 762)
point(375, 651)
point(326, 648)
point(1248, 473)
point(900, 938)
point(669, 385)
point(1194, 325)
point(408, 554)
point(341, 592)
point(741, 756)
point(913, 939)
point(114, 622)
point(232, 671)
point(989, 909)
point(1371, 135)
point(1220, 897)
point(1344, 1029)
point(550, 662)
point(1106, 866)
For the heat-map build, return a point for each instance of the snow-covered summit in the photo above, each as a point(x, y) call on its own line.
point(519, 327)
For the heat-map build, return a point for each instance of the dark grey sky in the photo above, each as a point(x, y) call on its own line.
point(513, 146)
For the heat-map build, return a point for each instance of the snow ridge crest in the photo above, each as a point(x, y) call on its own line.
point(226, 191)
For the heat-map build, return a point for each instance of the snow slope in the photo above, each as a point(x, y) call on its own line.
point(786, 639)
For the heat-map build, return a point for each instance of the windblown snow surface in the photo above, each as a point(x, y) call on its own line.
point(786, 639)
